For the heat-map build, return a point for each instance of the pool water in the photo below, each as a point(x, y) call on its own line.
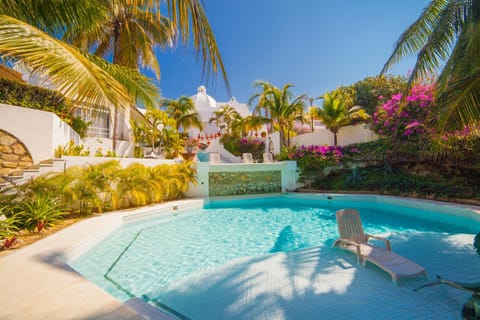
point(156, 259)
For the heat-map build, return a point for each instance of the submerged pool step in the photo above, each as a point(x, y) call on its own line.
point(147, 310)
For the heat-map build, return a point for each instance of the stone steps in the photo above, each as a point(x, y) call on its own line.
point(20, 176)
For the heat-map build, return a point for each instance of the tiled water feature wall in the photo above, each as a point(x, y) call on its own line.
point(228, 179)
point(238, 183)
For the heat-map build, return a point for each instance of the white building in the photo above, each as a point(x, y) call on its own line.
point(206, 106)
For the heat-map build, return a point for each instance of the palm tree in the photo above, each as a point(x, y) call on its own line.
point(446, 34)
point(184, 113)
point(311, 113)
point(279, 106)
point(159, 121)
point(254, 123)
point(225, 118)
point(335, 114)
point(72, 71)
point(126, 32)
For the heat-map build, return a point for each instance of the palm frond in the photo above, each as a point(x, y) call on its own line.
point(54, 17)
point(459, 105)
point(67, 69)
point(417, 34)
point(438, 46)
point(141, 88)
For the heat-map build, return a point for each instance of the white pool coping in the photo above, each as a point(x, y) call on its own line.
point(36, 283)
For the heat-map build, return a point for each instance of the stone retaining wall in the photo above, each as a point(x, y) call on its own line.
point(13, 154)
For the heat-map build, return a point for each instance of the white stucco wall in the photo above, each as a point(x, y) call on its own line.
point(124, 162)
point(124, 148)
point(346, 136)
point(40, 131)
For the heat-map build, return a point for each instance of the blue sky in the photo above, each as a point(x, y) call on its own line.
point(317, 45)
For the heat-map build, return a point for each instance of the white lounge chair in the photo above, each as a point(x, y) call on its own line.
point(247, 158)
point(214, 158)
point(353, 239)
point(267, 157)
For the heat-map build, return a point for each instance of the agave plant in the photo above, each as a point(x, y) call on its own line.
point(39, 213)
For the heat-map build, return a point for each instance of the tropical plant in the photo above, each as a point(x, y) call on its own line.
point(253, 123)
point(446, 37)
point(39, 213)
point(93, 187)
point(179, 178)
point(335, 114)
point(85, 78)
point(71, 149)
point(158, 127)
point(77, 75)
point(183, 112)
point(136, 186)
point(8, 228)
point(311, 113)
point(278, 105)
point(224, 118)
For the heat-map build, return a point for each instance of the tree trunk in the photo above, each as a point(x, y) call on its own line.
point(114, 134)
point(335, 139)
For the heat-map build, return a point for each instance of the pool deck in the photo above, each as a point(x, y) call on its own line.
point(36, 283)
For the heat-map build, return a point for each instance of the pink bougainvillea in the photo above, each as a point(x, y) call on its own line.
point(404, 121)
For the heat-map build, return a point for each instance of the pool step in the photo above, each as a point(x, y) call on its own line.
point(147, 311)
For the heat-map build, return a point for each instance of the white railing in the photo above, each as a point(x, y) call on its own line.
point(98, 132)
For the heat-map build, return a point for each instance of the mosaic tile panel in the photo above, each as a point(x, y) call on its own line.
point(238, 183)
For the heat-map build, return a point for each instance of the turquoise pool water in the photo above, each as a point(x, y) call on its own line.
point(157, 259)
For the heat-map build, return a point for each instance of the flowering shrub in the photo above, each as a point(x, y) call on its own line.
point(331, 154)
point(312, 160)
point(406, 122)
point(254, 146)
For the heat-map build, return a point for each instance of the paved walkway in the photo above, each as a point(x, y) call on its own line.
point(36, 283)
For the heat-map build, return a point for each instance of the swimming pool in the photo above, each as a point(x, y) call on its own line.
point(270, 258)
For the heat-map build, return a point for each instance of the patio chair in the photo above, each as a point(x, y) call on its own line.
point(247, 158)
point(267, 157)
point(214, 158)
point(353, 239)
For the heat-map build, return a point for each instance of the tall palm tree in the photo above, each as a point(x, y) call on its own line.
point(446, 35)
point(184, 113)
point(278, 105)
point(225, 118)
point(312, 110)
point(335, 114)
point(254, 123)
point(128, 33)
point(70, 70)
point(159, 121)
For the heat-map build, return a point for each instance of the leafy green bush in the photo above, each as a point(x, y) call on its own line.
point(404, 182)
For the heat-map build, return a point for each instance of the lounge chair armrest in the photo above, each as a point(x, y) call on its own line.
point(353, 243)
point(387, 242)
